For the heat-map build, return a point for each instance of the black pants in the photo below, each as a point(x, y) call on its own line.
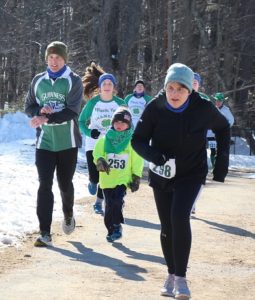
point(93, 173)
point(64, 162)
point(174, 209)
point(114, 200)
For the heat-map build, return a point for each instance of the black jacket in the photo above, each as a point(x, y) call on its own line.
point(182, 136)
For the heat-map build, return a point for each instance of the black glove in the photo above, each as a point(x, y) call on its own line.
point(95, 134)
point(159, 159)
point(134, 185)
point(102, 165)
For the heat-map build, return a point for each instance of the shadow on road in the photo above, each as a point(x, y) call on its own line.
point(141, 223)
point(228, 228)
point(87, 255)
point(138, 255)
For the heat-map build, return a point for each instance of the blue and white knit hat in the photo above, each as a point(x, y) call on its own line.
point(197, 77)
point(107, 76)
point(180, 73)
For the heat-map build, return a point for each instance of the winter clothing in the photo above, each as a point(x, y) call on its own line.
point(225, 111)
point(139, 81)
point(59, 138)
point(55, 75)
point(180, 73)
point(182, 136)
point(97, 114)
point(93, 173)
point(204, 96)
point(135, 183)
point(219, 97)
point(64, 95)
point(212, 143)
point(64, 162)
point(177, 204)
point(179, 109)
point(136, 104)
point(94, 121)
point(122, 164)
point(102, 165)
point(58, 48)
point(197, 77)
point(117, 141)
point(107, 76)
point(114, 201)
point(125, 166)
point(175, 145)
point(122, 114)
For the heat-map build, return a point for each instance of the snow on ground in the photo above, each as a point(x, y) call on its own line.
point(18, 178)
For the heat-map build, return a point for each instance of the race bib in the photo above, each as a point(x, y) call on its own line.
point(212, 144)
point(167, 171)
point(117, 161)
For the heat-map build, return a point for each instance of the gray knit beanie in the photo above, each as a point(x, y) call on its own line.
point(180, 73)
point(58, 48)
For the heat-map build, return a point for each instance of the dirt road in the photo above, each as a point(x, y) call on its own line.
point(85, 266)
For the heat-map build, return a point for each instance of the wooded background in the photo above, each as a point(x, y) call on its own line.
point(135, 39)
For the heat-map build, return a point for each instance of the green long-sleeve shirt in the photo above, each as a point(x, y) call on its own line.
point(97, 114)
point(64, 96)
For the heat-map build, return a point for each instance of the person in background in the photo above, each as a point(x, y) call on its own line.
point(137, 101)
point(54, 102)
point(95, 120)
point(196, 86)
point(171, 135)
point(219, 99)
point(119, 167)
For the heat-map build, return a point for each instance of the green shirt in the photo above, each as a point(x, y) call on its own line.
point(97, 114)
point(64, 96)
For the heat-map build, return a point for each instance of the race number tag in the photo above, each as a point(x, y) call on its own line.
point(212, 144)
point(167, 171)
point(117, 161)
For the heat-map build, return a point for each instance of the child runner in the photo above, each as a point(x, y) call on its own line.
point(120, 166)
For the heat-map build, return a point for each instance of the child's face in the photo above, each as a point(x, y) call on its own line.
point(120, 126)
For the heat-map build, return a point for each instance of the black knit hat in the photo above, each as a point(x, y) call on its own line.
point(58, 48)
point(139, 81)
point(122, 114)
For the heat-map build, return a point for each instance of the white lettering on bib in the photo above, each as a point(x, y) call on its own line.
point(167, 171)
